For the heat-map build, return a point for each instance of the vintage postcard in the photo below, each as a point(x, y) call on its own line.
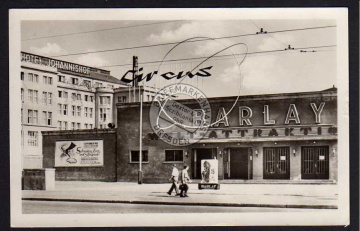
point(179, 117)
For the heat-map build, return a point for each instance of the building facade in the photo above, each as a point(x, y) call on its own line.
point(59, 95)
point(290, 137)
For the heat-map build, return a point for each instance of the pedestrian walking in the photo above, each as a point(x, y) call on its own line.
point(174, 178)
point(185, 179)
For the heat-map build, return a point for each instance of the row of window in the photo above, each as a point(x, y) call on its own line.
point(170, 156)
point(75, 110)
point(35, 78)
point(87, 83)
point(75, 96)
point(33, 96)
point(63, 125)
point(33, 115)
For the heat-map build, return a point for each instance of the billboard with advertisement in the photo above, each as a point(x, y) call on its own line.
point(79, 153)
point(209, 171)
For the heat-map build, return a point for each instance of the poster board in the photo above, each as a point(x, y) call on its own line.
point(79, 153)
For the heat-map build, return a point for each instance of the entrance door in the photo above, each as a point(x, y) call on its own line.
point(276, 163)
point(315, 162)
point(201, 154)
point(240, 161)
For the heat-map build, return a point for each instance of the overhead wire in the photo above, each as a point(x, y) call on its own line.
point(190, 41)
point(196, 58)
point(101, 30)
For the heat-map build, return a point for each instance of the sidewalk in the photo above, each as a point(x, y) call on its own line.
point(235, 195)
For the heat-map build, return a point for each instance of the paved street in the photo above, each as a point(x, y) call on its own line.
point(59, 207)
point(294, 196)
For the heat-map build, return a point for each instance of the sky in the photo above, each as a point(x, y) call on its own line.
point(237, 71)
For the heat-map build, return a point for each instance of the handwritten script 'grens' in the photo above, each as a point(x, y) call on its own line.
point(128, 76)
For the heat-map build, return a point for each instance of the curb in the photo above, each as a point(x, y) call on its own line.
point(188, 203)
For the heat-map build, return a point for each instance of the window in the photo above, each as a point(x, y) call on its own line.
point(61, 78)
point(104, 114)
point(73, 110)
point(60, 108)
point(32, 139)
point(87, 83)
point(73, 96)
point(148, 97)
point(65, 125)
point(22, 75)
point(86, 112)
point(65, 107)
point(65, 94)
point(90, 126)
point(47, 80)
point(119, 99)
point(73, 125)
point(22, 95)
point(31, 77)
point(124, 99)
point(78, 96)
point(75, 81)
point(49, 98)
point(173, 155)
point(91, 98)
point(97, 84)
point(47, 118)
point(35, 96)
point(104, 100)
point(32, 116)
point(86, 98)
point(60, 125)
point(78, 125)
point(78, 110)
point(91, 112)
point(60, 94)
point(44, 97)
point(86, 126)
point(134, 157)
point(36, 78)
point(30, 95)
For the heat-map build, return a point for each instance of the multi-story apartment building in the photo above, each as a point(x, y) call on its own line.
point(59, 95)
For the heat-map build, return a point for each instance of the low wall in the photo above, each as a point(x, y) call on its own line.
point(107, 172)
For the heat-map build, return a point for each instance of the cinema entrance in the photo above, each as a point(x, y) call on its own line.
point(239, 163)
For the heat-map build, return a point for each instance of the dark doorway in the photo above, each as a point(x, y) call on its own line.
point(315, 162)
point(276, 163)
point(240, 160)
point(200, 154)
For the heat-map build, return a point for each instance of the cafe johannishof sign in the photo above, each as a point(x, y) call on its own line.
point(79, 153)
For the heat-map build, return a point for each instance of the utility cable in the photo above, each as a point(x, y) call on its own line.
point(93, 31)
point(249, 53)
point(197, 40)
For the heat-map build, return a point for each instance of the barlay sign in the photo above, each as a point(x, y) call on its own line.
point(45, 61)
point(79, 153)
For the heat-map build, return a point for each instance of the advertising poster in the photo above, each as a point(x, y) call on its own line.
point(83, 153)
point(209, 171)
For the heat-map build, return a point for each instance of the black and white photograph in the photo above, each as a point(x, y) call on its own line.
point(179, 117)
